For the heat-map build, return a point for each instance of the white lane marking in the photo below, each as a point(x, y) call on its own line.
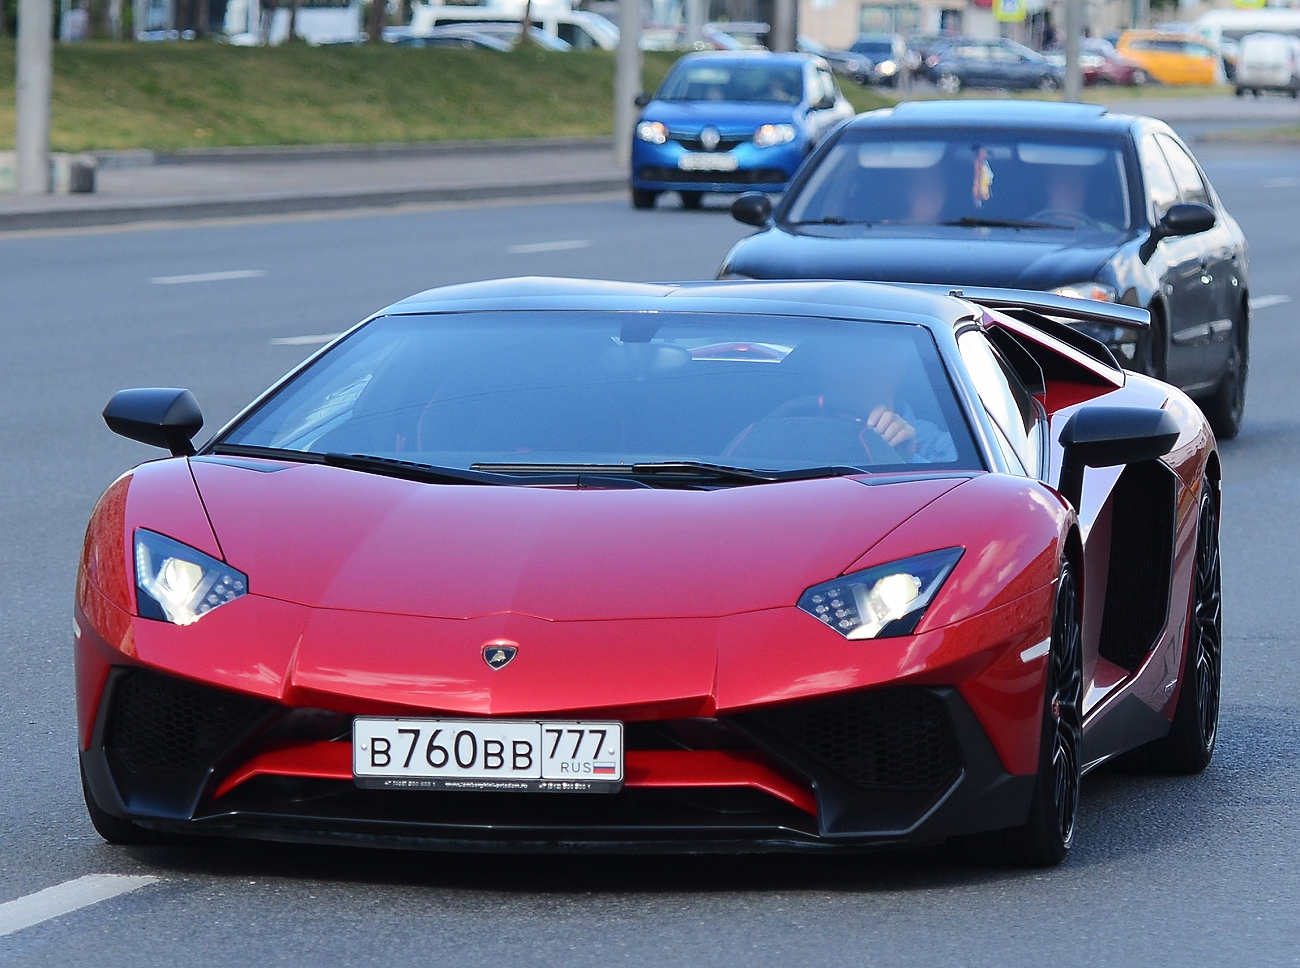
point(314, 340)
point(208, 277)
point(1263, 302)
point(67, 897)
point(1281, 182)
point(549, 246)
point(1036, 651)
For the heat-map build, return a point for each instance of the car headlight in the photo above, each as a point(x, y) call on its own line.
point(884, 601)
point(1087, 290)
point(652, 131)
point(179, 584)
point(773, 134)
point(887, 68)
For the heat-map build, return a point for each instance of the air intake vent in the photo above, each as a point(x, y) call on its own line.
point(897, 739)
point(164, 725)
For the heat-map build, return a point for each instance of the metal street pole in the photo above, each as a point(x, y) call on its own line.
point(627, 78)
point(35, 50)
point(1073, 31)
point(694, 22)
point(785, 14)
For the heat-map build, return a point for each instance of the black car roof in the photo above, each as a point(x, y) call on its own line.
point(842, 299)
point(1048, 115)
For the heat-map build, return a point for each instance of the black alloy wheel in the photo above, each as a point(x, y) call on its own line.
point(692, 200)
point(643, 198)
point(1046, 838)
point(1227, 406)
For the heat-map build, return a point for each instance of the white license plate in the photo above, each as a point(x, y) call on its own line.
point(487, 755)
point(697, 161)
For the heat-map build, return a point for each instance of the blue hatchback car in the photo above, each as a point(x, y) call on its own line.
point(732, 121)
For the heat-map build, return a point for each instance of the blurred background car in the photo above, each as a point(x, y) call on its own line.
point(466, 37)
point(998, 64)
point(855, 67)
point(1172, 58)
point(1027, 195)
point(731, 121)
point(1101, 63)
point(890, 55)
point(1268, 62)
point(580, 29)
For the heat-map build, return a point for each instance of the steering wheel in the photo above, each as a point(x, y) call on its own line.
point(813, 441)
point(1067, 215)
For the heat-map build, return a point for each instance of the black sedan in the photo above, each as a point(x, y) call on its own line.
point(1000, 64)
point(1057, 197)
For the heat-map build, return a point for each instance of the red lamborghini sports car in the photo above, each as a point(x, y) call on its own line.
point(560, 565)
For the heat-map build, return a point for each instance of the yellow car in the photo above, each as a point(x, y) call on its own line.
point(1171, 58)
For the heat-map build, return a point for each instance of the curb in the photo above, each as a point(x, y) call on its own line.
point(145, 158)
point(185, 210)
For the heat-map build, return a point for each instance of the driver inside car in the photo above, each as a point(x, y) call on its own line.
point(858, 415)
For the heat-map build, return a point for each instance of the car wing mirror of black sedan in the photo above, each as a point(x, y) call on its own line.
point(1109, 436)
point(752, 208)
point(641, 100)
point(158, 416)
point(1185, 218)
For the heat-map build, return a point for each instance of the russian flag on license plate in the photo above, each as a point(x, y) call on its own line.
point(605, 769)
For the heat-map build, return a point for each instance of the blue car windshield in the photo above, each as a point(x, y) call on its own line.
point(733, 82)
point(550, 387)
point(931, 176)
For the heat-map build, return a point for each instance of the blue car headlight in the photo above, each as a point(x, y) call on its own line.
point(653, 132)
point(179, 584)
point(883, 601)
point(770, 135)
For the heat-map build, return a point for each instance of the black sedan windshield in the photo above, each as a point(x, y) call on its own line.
point(733, 82)
point(935, 177)
point(588, 388)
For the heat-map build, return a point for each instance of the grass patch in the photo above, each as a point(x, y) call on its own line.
point(1283, 135)
point(172, 96)
point(1101, 94)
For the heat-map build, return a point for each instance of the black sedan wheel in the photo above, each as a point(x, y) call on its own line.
point(1047, 83)
point(1227, 406)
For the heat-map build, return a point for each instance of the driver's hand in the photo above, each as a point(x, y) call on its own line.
point(897, 432)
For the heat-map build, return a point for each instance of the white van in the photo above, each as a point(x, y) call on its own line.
point(1268, 62)
point(580, 29)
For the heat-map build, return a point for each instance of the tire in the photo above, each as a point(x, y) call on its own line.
point(948, 83)
point(643, 198)
point(1047, 836)
point(1226, 407)
point(692, 200)
point(1047, 83)
point(1241, 92)
point(1139, 78)
point(1154, 361)
point(1189, 747)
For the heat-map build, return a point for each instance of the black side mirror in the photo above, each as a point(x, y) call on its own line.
point(1185, 218)
point(1108, 436)
point(641, 100)
point(752, 208)
point(157, 416)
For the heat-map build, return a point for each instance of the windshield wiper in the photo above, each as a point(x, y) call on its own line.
point(676, 472)
point(972, 221)
point(424, 473)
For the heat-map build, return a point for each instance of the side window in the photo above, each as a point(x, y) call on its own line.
point(829, 90)
point(1161, 188)
point(1190, 184)
point(1008, 403)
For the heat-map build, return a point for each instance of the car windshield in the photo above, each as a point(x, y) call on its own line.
point(978, 178)
point(733, 82)
point(877, 48)
point(606, 388)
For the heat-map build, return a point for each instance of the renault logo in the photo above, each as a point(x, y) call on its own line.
point(710, 138)
point(498, 655)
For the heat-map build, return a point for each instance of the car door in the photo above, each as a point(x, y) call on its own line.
point(1176, 265)
point(1004, 67)
point(824, 103)
point(970, 62)
point(1218, 260)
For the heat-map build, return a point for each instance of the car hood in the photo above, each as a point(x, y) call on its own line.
point(692, 116)
point(341, 539)
point(1004, 258)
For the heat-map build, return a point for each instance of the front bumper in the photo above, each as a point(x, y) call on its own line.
point(657, 168)
point(871, 768)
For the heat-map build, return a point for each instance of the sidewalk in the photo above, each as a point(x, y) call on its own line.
point(142, 186)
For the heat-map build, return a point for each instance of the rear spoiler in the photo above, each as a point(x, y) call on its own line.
point(1047, 304)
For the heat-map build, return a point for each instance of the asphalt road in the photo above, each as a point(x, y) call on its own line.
point(1195, 871)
